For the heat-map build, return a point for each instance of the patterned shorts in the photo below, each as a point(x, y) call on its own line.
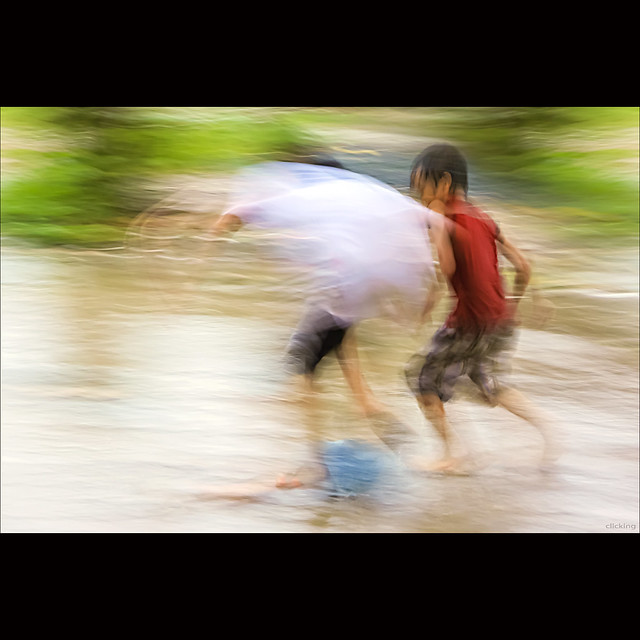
point(481, 355)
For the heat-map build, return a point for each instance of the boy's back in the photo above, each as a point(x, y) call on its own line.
point(360, 237)
point(477, 282)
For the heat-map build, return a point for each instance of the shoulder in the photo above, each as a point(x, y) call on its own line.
point(476, 213)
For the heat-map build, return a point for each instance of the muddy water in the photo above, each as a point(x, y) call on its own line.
point(131, 382)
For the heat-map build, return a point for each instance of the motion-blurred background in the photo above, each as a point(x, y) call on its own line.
point(77, 175)
point(138, 364)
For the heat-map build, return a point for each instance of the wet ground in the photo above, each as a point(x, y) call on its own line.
point(133, 378)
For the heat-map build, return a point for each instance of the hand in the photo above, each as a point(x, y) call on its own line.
point(512, 309)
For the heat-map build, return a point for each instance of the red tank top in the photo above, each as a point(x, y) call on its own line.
point(477, 281)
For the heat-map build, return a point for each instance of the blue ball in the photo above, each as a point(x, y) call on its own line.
point(353, 467)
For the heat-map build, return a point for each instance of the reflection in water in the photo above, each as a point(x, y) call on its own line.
point(130, 382)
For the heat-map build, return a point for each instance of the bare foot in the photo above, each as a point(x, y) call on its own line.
point(449, 466)
point(240, 491)
point(287, 481)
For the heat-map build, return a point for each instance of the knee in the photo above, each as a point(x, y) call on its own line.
point(431, 404)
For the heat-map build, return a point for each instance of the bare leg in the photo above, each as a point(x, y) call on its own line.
point(433, 409)
point(347, 354)
point(392, 431)
point(305, 477)
point(518, 404)
point(305, 398)
point(239, 491)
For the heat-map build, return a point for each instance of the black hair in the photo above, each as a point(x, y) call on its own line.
point(323, 159)
point(308, 154)
point(438, 159)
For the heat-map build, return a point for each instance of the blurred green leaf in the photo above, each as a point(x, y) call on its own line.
point(76, 167)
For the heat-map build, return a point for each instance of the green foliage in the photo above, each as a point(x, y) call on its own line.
point(582, 161)
point(73, 175)
point(79, 168)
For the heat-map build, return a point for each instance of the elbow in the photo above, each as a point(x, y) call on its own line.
point(448, 267)
point(448, 272)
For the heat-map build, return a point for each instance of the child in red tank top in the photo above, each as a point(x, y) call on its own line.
point(480, 328)
point(476, 281)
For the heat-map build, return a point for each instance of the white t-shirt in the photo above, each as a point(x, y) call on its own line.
point(367, 244)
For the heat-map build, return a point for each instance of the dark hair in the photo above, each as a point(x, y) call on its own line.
point(308, 154)
point(438, 159)
point(323, 159)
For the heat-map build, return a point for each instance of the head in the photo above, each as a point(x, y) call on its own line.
point(439, 172)
point(323, 160)
point(309, 154)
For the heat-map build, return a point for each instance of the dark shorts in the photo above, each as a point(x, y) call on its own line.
point(481, 355)
point(317, 334)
